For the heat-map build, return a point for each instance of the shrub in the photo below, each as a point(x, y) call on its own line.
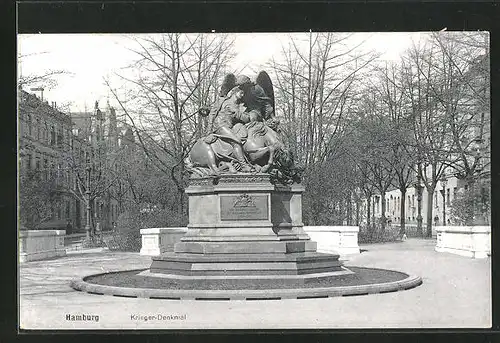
point(94, 242)
point(124, 241)
point(467, 204)
point(129, 220)
point(375, 234)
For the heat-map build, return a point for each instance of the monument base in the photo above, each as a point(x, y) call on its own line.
point(243, 227)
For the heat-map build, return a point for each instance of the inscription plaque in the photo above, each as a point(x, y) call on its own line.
point(244, 207)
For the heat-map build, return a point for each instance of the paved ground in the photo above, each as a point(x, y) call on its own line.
point(456, 292)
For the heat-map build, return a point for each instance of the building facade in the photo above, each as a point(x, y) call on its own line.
point(45, 137)
point(62, 147)
point(97, 141)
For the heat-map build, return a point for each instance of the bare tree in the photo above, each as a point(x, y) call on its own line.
point(92, 161)
point(395, 106)
point(44, 78)
point(463, 94)
point(37, 197)
point(316, 84)
point(433, 146)
point(174, 75)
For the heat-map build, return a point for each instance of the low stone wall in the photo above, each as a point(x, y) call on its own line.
point(470, 241)
point(331, 239)
point(342, 240)
point(156, 241)
point(41, 244)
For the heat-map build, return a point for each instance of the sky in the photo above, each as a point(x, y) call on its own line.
point(90, 57)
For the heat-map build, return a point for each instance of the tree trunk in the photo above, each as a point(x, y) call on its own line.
point(373, 211)
point(357, 212)
point(349, 210)
point(430, 203)
point(402, 228)
point(469, 193)
point(383, 219)
point(340, 213)
point(368, 217)
point(368, 212)
point(420, 232)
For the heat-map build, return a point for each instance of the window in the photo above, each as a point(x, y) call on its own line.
point(60, 137)
point(68, 208)
point(29, 124)
point(435, 197)
point(68, 137)
point(21, 125)
point(30, 160)
point(454, 193)
point(38, 127)
point(448, 197)
point(45, 169)
point(52, 135)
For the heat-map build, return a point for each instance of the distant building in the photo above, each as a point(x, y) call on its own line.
point(453, 188)
point(44, 145)
point(476, 141)
point(58, 144)
point(98, 134)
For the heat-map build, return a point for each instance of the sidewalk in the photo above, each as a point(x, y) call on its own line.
point(456, 292)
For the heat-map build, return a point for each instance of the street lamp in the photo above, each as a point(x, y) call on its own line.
point(479, 216)
point(88, 169)
point(444, 181)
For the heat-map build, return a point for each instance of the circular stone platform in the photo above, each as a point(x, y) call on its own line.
point(140, 284)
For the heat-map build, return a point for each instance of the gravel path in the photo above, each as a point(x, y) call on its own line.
point(456, 292)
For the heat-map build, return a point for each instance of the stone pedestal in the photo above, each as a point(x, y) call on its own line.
point(243, 225)
point(156, 241)
point(341, 240)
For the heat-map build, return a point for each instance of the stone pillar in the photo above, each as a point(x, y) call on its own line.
point(156, 241)
point(342, 240)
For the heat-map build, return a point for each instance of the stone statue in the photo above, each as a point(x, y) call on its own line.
point(244, 138)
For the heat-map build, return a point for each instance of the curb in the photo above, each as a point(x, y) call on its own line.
point(270, 294)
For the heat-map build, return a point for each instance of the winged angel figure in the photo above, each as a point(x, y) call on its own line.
point(244, 137)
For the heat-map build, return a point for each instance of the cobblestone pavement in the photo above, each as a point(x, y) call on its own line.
point(456, 292)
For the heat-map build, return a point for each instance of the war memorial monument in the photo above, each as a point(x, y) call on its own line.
point(245, 237)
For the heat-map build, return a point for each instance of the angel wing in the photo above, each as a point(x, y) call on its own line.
point(265, 82)
point(228, 84)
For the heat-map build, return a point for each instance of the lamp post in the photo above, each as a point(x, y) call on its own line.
point(419, 189)
point(88, 169)
point(444, 181)
point(479, 217)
